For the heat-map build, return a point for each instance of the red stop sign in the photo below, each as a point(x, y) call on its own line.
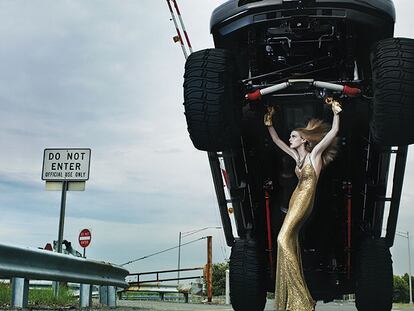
point(85, 238)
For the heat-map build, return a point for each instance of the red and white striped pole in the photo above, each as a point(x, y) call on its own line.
point(178, 30)
point(182, 26)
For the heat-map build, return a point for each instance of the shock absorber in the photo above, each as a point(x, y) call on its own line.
point(268, 186)
point(347, 186)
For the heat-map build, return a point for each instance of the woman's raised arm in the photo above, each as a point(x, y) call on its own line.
point(275, 137)
point(330, 136)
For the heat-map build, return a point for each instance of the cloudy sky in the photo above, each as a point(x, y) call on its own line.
point(106, 75)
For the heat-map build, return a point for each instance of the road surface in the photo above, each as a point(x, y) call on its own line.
point(125, 305)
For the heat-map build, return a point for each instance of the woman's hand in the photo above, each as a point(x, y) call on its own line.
point(268, 117)
point(336, 106)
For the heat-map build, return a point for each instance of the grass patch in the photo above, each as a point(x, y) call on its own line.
point(5, 294)
point(45, 297)
point(41, 297)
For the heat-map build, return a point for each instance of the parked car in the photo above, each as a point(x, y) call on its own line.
point(292, 54)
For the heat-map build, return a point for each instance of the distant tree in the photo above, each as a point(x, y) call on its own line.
point(401, 290)
point(219, 278)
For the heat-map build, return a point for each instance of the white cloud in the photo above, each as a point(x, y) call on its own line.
point(107, 76)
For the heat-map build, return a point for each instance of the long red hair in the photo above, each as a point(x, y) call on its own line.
point(314, 132)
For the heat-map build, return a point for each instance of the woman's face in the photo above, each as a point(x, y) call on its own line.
point(295, 140)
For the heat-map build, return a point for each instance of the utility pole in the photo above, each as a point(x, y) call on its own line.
point(209, 268)
point(179, 258)
point(407, 236)
point(182, 235)
point(409, 268)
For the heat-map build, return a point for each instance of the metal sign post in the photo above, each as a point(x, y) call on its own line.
point(61, 227)
point(62, 215)
point(64, 166)
point(68, 167)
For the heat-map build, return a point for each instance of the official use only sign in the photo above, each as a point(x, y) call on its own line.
point(66, 164)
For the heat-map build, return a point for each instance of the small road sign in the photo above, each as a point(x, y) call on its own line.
point(85, 238)
point(66, 164)
point(48, 247)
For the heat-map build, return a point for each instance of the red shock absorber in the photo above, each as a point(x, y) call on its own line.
point(348, 188)
point(269, 232)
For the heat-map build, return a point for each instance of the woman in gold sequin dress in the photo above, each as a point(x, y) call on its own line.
point(312, 148)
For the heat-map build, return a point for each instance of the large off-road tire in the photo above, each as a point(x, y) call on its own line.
point(247, 278)
point(212, 100)
point(374, 284)
point(392, 62)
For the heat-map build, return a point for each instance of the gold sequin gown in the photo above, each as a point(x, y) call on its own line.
point(291, 292)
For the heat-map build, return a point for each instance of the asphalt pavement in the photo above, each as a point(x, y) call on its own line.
point(124, 305)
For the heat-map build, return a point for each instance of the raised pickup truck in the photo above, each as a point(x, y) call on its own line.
point(292, 54)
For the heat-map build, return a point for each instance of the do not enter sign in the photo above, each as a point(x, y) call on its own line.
point(85, 238)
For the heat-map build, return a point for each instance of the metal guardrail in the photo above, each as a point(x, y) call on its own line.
point(38, 264)
point(158, 279)
point(23, 264)
point(154, 285)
